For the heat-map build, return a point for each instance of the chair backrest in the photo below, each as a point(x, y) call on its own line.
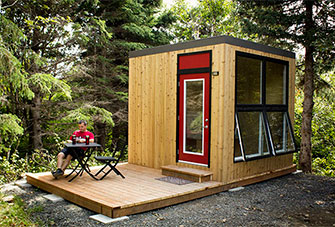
point(121, 147)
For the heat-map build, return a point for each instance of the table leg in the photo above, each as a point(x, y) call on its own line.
point(82, 161)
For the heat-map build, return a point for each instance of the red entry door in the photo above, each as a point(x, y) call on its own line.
point(194, 118)
point(194, 70)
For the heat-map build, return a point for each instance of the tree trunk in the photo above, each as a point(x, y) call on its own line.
point(36, 113)
point(305, 158)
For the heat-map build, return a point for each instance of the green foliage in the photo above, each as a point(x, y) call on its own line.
point(44, 64)
point(10, 34)
point(9, 127)
point(298, 115)
point(38, 47)
point(43, 160)
point(272, 22)
point(14, 86)
point(11, 170)
point(90, 114)
point(51, 87)
point(323, 127)
point(12, 78)
point(324, 166)
point(10, 130)
point(15, 214)
point(210, 18)
point(103, 28)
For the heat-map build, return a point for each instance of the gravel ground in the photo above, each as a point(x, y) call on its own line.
point(292, 200)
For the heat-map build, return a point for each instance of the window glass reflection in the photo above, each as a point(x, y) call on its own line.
point(248, 90)
point(194, 116)
point(280, 131)
point(275, 83)
point(253, 134)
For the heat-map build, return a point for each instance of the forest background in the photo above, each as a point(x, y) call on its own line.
point(65, 60)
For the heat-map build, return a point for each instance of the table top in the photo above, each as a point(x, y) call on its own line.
point(83, 145)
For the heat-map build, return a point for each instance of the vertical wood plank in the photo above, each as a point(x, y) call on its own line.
point(215, 113)
point(145, 115)
point(229, 110)
point(131, 109)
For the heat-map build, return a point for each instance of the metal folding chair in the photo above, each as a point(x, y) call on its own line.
point(112, 161)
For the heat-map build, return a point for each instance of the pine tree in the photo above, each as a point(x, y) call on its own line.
point(43, 53)
point(13, 87)
point(113, 29)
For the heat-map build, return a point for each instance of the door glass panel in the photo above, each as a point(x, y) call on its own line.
point(253, 134)
point(248, 90)
point(194, 101)
point(275, 83)
point(281, 132)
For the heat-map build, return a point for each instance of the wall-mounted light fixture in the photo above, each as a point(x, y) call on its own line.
point(215, 73)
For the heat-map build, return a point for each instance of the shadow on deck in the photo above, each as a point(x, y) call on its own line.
point(115, 197)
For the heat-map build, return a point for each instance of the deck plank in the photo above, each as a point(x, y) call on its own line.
point(114, 196)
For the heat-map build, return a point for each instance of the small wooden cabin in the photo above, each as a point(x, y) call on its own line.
point(221, 104)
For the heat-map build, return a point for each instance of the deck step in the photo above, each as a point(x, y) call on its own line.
point(195, 175)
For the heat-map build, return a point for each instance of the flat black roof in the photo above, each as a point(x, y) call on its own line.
point(212, 41)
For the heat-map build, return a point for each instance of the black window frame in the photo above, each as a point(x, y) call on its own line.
point(262, 108)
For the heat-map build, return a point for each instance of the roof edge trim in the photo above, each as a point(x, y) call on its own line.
point(212, 41)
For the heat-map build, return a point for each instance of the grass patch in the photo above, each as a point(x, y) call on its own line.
point(15, 213)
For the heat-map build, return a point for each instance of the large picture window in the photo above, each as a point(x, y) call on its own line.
point(262, 123)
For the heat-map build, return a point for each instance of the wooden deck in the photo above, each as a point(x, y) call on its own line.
point(115, 197)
